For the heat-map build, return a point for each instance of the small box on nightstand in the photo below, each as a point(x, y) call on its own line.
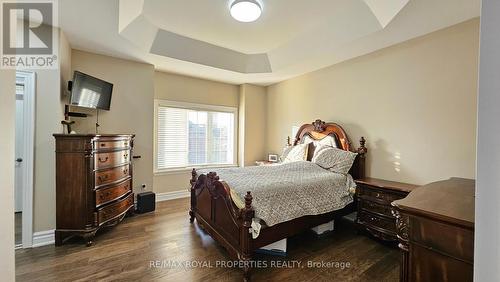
point(146, 202)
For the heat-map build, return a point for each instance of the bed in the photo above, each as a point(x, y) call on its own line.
point(229, 216)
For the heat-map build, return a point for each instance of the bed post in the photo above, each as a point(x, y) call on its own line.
point(362, 150)
point(194, 176)
point(248, 214)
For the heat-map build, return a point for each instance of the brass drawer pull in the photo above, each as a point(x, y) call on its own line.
point(103, 144)
point(103, 178)
point(105, 159)
point(125, 171)
point(105, 195)
point(117, 190)
point(125, 156)
point(375, 205)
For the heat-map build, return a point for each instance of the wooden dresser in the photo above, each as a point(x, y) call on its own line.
point(93, 183)
point(436, 231)
point(374, 198)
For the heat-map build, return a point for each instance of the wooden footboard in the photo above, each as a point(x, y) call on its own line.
point(215, 212)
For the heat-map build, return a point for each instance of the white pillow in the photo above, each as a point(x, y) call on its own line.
point(295, 153)
point(327, 141)
point(333, 159)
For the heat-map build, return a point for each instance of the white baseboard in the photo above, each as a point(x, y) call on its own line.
point(43, 238)
point(160, 197)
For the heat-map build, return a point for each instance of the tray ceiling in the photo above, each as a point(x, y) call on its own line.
point(292, 37)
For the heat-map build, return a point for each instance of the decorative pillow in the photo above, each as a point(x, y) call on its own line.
point(327, 141)
point(319, 147)
point(333, 159)
point(295, 153)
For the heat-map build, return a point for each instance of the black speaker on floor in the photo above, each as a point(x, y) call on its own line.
point(146, 202)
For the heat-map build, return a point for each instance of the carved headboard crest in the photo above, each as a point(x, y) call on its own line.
point(318, 130)
point(319, 125)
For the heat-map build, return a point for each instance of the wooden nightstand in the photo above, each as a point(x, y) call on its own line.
point(374, 198)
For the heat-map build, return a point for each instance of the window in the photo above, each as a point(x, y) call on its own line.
point(193, 135)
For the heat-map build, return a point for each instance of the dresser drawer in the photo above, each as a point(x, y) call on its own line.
point(375, 207)
point(428, 265)
point(108, 176)
point(109, 194)
point(103, 160)
point(383, 196)
point(111, 144)
point(448, 239)
point(111, 211)
point(382, 223)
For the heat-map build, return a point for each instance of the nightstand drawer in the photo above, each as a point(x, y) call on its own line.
point(374, 221)
point(374, 205)
point(370, 193)
point(375, 208)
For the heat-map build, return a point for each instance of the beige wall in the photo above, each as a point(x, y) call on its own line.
point(252, 124)
point(414, 102)
point(7, 125)
point(135, 87)
point(408, 100)
point(131, 106)
point(181, 88)
point(64, 65)
point(49, 113)
point(47, 122)
point(174, 87)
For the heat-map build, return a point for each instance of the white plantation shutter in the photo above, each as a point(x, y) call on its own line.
point(221, 138)
point(188, 137)
point(172, 137)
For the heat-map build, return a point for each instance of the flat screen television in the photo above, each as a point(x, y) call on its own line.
point(90, 92)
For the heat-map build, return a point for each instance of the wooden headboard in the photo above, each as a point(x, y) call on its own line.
point(319, 130)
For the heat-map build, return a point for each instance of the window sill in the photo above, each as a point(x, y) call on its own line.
point(188, 169)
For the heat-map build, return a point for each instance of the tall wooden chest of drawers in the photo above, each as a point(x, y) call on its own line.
point(93, 183)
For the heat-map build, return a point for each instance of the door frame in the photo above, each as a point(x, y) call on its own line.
point(29, 155)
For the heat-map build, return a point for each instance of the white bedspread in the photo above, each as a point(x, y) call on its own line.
point(288, 191)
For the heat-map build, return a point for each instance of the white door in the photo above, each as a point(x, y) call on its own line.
point(19, 171)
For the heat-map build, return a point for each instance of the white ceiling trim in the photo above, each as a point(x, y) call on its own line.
point(183, 48)
point(386, 10)
point(295, 36)
point(338, 30)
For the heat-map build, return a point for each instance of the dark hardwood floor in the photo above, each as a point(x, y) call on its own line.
point(127, 251)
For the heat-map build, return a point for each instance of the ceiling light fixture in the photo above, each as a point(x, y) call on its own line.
point(246, 10)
